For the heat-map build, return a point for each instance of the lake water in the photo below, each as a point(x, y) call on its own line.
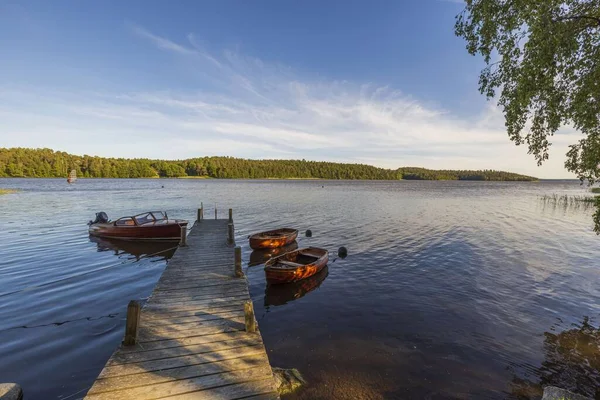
point(450, 289)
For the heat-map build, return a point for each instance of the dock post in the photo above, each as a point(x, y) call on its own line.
point(183, 238)
point(249, 314)
point(201, 210)
point(215, 210)
point(132, 324)
point(231, 215)
point(238, 262)
point(230, 238)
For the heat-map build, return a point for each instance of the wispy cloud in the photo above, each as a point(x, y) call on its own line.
point(160, 42)
point(243, 106)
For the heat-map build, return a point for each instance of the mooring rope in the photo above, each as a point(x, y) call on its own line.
point(28, 288)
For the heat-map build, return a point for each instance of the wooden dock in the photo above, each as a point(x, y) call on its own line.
point(192, 341)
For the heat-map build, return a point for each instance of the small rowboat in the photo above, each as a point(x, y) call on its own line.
point(296, 265)
point(273, 239)
point(153, 225)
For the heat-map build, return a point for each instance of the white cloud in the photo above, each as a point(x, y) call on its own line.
point(257, 109)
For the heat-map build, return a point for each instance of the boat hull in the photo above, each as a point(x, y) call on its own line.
point(261, 256)
point(258, 241)
point(278, 295)
point(167, 230)
point(276, 275)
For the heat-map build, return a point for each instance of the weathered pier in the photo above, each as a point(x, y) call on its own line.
point(196, 337)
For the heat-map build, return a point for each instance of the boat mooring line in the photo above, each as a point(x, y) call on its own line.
point(111, 315)
point(28, 288)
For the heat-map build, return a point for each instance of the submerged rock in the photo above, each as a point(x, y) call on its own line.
point(287, 380)
point(554, 393)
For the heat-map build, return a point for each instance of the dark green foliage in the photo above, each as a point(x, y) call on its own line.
point(484, 175)
point(544, 58)
point(597, 216)
point(547, 71)
point(45, 163)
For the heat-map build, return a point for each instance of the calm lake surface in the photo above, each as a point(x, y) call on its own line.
point(450, 289)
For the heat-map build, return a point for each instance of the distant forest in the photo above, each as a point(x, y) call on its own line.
point(46, 163)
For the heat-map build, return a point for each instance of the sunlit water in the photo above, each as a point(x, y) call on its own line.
point(450, 289)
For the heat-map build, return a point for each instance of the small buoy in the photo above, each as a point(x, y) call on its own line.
point(323, 186)
point(342, 252)
point(308, 233)
point(163, 186)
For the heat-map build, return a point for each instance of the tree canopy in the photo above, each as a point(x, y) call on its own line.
point(543, 56)
point(46, 163)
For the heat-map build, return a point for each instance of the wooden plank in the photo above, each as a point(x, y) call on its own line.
point(168, 363)
point(193, 295)
point(199, 293)
point(218, 309)
point(194, 325)
point(231, 392)
point(196, 384)
point(188, 341)
point(194, 305)
point(191, 340)
point(194, 291)
point(152, 334)
point(268, 396)
point(150, 378)
point(170, 320)
point(199, 300)
point(124, 358)
point(199, 284)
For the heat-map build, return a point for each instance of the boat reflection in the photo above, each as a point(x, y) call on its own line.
point(261, 256)
point(138, 249)
point(278, 295)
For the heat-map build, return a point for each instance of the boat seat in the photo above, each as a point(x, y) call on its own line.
point(290, 263)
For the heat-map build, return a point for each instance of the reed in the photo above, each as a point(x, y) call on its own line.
point(569, 201)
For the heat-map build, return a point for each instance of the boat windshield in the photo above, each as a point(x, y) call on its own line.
point(144, 218)
point(127, 221)
point(159, 215)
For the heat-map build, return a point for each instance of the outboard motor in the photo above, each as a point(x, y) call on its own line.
point(101, 217)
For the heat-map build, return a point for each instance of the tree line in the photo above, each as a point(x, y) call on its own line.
point(46, 163)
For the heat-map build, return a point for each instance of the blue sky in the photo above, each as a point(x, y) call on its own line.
point(379, 82)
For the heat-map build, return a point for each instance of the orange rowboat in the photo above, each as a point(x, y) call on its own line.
point(296, 265)
point(273, 239)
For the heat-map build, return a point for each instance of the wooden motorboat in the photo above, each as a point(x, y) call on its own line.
point(261, 256)
point(278, 295)
point(296, 265)
point(152, 225)
point(273, 239)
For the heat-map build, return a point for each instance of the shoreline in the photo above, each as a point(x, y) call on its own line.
point(298, 179)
